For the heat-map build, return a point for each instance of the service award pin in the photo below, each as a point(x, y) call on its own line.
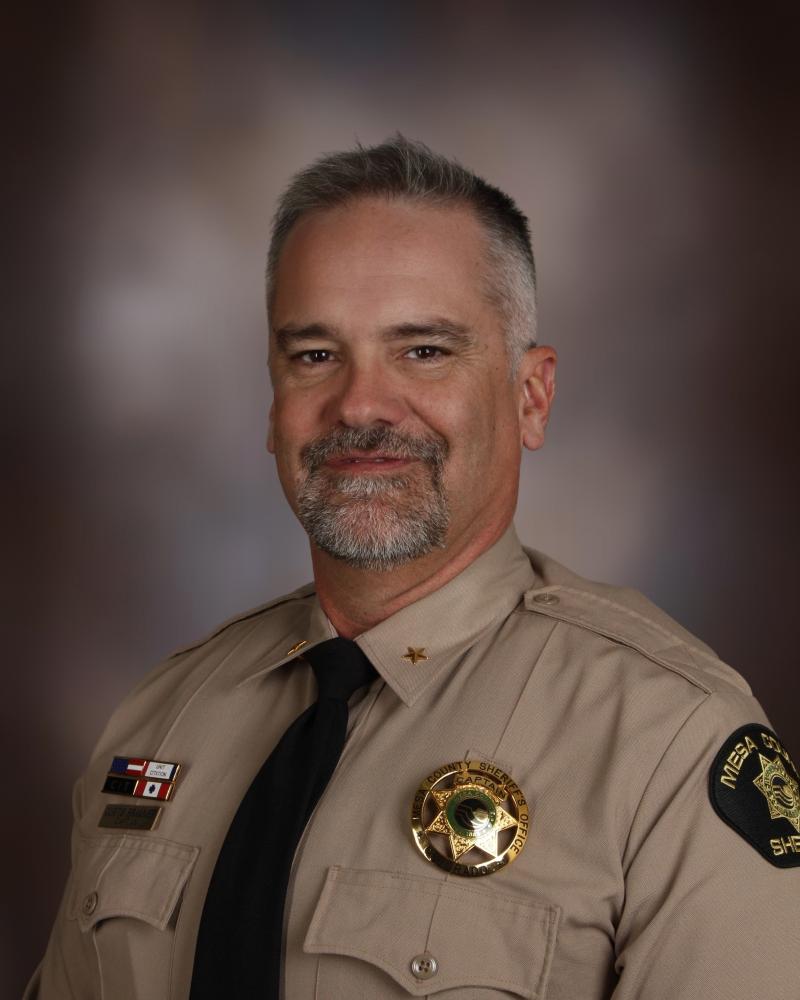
point(141, 778)
point(139, 788)
point(470, 818)
point(140, 767)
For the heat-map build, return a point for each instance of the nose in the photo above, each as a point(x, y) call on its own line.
point(365, 395)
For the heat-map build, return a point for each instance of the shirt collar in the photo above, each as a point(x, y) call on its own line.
point(447, 622)
point(417, 645)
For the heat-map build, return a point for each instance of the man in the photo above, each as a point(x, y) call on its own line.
point(508, 711)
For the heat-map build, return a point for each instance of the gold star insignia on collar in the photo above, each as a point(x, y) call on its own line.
point(415, 655)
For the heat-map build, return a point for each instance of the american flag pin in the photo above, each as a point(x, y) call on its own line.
point(140, 767)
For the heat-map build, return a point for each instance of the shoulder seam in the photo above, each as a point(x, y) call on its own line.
point(664, 751)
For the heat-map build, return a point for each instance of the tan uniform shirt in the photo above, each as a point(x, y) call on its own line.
point(604, 711)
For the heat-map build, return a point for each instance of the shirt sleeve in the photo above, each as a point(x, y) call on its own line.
point(58, 976)
point(705, 916)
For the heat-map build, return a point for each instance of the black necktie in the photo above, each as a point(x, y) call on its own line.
point(239, 942)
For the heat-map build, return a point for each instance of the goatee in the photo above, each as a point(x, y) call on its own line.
point(379, 521)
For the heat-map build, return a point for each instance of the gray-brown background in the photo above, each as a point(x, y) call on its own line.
point(655, 155)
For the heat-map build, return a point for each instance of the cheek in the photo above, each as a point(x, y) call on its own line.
point(469, 431)
point(290, 431)
point(291, 425)
point(485, 439)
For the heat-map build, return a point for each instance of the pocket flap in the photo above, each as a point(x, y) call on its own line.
point(129, 876)
point(478, 937)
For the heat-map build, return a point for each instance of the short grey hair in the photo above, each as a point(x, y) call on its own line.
point(404, 168)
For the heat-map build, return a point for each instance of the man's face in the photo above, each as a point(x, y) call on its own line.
point(395, 427)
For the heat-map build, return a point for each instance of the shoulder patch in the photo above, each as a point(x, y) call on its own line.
point(755, 788)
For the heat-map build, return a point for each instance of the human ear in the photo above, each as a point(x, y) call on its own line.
point(536, 380)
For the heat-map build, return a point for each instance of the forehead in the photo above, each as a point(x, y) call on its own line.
point(382, 258)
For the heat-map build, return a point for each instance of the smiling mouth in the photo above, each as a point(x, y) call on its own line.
point(346, 461)
point(381, 451)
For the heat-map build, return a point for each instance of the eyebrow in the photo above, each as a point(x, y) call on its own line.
point(286, 337)
point(438, 329)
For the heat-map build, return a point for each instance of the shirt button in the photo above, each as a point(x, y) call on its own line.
point(424, 966)
point(546, 598)
point(89, 904)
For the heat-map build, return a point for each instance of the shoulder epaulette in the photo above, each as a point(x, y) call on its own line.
point(628, 618)
point(295, 595)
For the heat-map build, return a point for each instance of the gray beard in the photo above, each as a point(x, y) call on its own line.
point(374, 522)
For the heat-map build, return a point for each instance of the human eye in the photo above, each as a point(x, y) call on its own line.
point(313, 356)
point(426, 352)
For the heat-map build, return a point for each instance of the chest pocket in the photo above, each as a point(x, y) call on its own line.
point(125, 900)
point(415, 936)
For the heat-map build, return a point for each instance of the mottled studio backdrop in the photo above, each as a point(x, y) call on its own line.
point(655, 154)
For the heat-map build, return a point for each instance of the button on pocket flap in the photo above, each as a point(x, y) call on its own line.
point(432, 935)
point(127, 876)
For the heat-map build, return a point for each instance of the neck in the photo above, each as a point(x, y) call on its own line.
point(356, 600)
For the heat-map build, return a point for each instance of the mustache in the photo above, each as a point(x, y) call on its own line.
point(432, 449)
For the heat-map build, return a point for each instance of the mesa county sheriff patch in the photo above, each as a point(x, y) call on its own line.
point(755, 788)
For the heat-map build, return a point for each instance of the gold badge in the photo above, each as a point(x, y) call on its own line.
point(470, 818)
